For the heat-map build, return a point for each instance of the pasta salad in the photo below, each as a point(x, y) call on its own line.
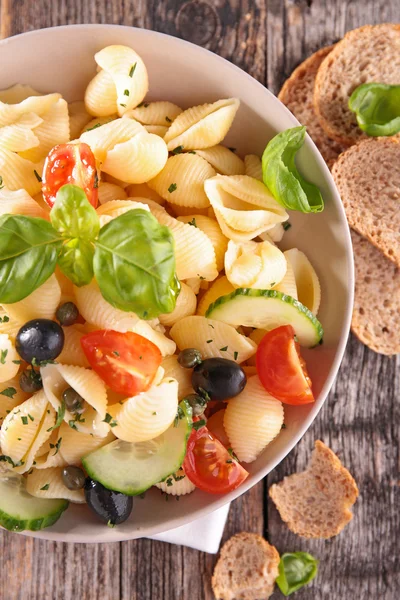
point(150, 326)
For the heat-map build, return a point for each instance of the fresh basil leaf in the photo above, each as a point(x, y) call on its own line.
point(377, 108)
point(28, 254)
point(73, 215)
point(296, 569)
point(76, 261)
point(134, 264)
point(282, 177)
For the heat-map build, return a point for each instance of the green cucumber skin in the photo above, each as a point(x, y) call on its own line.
point(249, 292)
point(15, 524)
point(187, 409)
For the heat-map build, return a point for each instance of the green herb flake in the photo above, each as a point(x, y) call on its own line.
point(132, 70)
point(235, 354)
point(154, 413)
point(17, 362)
point(191, 152)
point(172, 188)
point(178, 477)
point(177, 150)
point(4, 319)
point(124, 105)
point(71, 423)
point(94, 126)
point(209, 341)
point(1, 183)
point(296, 569)
point(45, 487)
point(143, 105)
point(193, 222)
point(283, 426)
point(4, 458)
point(229, 462)
point(115, 352)
point(211, 325)
point(286, 226)
point(108, 418)
point(126, 92)
point(224, 349)
point(169, 121)
point(232, 454)
point(169, 481)
point(199, 424)
point(31, 418)
point(3, 356)
point(24, 420)
point(9, 392)
point(179, 415)
point(37, 176)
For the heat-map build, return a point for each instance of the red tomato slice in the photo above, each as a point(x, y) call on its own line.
point(210, 466)
point(127, 362)
point(215, 425)
point(281, 369)
point(70, 163)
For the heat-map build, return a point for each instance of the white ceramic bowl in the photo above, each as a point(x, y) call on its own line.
point(61, 59)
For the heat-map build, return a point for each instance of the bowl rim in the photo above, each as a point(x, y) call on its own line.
point(220, 501)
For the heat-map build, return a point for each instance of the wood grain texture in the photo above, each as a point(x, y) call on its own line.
point(360, 420)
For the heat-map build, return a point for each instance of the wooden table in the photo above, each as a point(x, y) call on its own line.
point(361, 419)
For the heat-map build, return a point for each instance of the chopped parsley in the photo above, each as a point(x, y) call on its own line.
point(4, 458)
point(124, 105)
point(224, 349)
point(287, 225)
point(42, 363)
point(24, 420)
point(235, 355)
point(168, 121)
point(45, 487)
point(172, 188)
point(9, 392)
point(126, 92)
point(273, 283)
point(193, 222)
point(112, 422)
point(178, 477)
point(3, 356)
point(78, 419)
point(179, 415)
point(115, 352)
point(94, 126)
point(56, 446)
point(191, 152)
point(177, 150)
point(132, 70)
point(143, 105)
point(31, 418)
point(283, 426)
point(154, 413)
point(37, 176)
point(211, 325)
point(199, 424)
point(232, 454)
point(1, 183)
point(209, 341)
point(4, 319)
point(169, 481)
point(17, 362)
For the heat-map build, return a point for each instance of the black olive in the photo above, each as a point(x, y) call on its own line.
point(198, 404)
point(189, 358)
point(218, 378)
point(111, 507)
point(30, 381)
point(39, 339)
point(67, 314)
point(73, 478)
point(73, 401)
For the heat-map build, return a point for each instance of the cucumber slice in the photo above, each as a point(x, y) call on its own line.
point(131, 468)
point(19, 510)
point(267, 309)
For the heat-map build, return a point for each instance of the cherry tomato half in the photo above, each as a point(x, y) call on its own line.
point(70, 163)
point(210, 466)
point(127, 362)
point(281, 369)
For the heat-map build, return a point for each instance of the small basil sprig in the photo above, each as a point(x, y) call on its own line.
point(132, 257)
point(377, 108)
point(296, 569)
point(282, 177)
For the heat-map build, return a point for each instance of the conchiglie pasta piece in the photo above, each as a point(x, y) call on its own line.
point(223, 160)
point(177, 484)
point(8, 354)
point(147, 415)
point(16, 93)
point(159, 130)
point(49, 455)
point(307, 282)
point(165, 345)
point(48, 483)
point(202, 126)
point(75, 445)
point(243, 206)
point(183, 376)
point(78, 118)
point(101, 95)
point(41, 304)
point(212, 231)
point(44, 433)
point(137, 160)
point(220, 287)
point(98, 122)
point(53, 130)
point(185, 306)
point(10, 396)
point(57, 378)
point(103, 139)
point(181, 181)
point(19, 173)
point(142, 190)
point(258, 265)
point(19, 202)
point(110, 191)
point(212, 338)
point(252, 420)
point(20, 135)
point(115, 208)
point(72, 353)
point(253, 167)
point(288, 284)
point(155, 113)
point(9, 113)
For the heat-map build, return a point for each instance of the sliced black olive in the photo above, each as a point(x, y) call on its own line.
point(39, 339)
point(73, 478)
point(218, 378)
point(73, 401)
point(198, 404)
point(67, 314)
point(30, 381)
point(111, 507)
point(189, 358)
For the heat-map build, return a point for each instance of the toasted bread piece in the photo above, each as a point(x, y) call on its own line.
point(376, 314)
point(316, 502)
point(368, 180)
point(365, 55)
point(246, 569)
point(297, 94)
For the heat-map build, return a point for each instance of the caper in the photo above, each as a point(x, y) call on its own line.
point(30, 381)
point(73, 401)
point(73, 478)
point(189, 358)
point(198, 404)
point(67, 314)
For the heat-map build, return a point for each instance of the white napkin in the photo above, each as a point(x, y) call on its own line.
point(203, 534)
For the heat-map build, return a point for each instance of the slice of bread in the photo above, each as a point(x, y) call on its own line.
point(246, 569)
point(368, 179)
point(297, 94)
point(376, 320)
point(365, 55)
point(316, 502)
